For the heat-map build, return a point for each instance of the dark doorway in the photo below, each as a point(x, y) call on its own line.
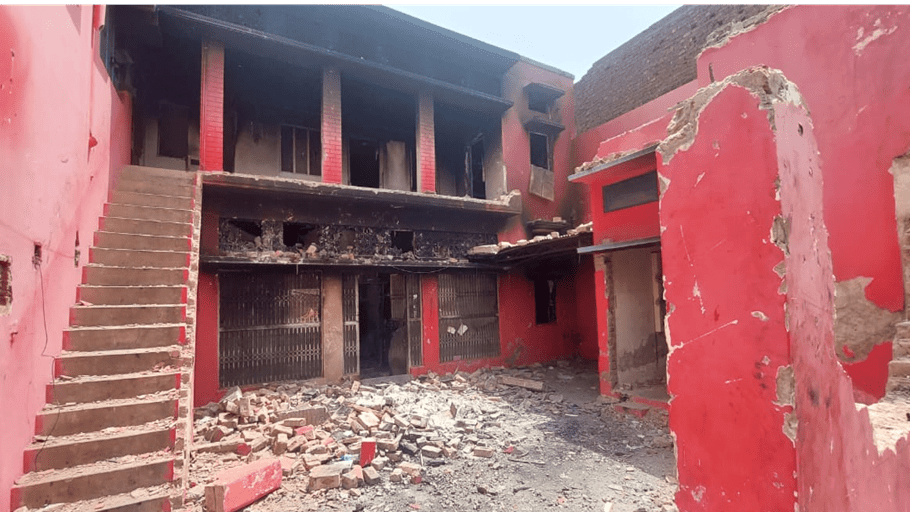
point(364, 163)
point(375, 325)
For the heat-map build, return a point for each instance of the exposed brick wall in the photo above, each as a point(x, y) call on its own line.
point(652, 63)
point(211, 111)
point(426, 143)
point(331, 125)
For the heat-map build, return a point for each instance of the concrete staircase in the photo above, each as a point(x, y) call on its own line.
point(899, 367)
point(112, 435)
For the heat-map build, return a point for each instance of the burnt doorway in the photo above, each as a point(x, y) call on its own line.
point(364, 163)
point(389, 323)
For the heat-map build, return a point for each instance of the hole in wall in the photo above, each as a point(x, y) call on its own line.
point(6, 284)
point(294, 233)
point(403, 241)
point(36, 257)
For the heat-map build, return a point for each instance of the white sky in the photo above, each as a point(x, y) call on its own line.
point(570, 37)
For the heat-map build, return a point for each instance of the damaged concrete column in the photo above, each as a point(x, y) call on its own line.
point(332, 328)
point(901, 171)
point(211, 108)
point(426, 143)
point(331, 125)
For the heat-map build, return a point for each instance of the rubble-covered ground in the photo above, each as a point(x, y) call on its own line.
point(451, 442)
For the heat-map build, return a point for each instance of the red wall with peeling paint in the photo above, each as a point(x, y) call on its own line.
point(854, 81)
point(55, 96)
point(732, 453)
point(205, 371)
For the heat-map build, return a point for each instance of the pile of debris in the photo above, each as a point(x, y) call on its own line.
point(340, 436)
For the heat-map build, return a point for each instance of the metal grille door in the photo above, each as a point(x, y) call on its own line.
point(468, 317)
point(270, 327)
point(350, 311)
point(415, 325)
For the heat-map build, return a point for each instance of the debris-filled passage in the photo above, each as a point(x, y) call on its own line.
point(494, 439)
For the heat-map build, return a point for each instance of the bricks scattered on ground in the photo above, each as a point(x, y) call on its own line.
point(331, 440)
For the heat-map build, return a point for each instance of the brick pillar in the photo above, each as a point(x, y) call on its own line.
point(426, 144)
point(211, 108)
point(331, 125)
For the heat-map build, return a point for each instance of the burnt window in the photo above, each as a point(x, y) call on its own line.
point(173, 131)
point(6, 284)
point(468, 317)
point(545, 301)
point(301, 151)
point(539, 104)
point(403, 241)
point(631, 192)
point(540, 150)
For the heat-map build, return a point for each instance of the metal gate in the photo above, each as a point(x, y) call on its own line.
point(468, 317)
point(269, 327)
point(351, 314)
point(404, 293)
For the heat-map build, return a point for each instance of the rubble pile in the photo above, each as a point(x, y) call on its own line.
point(334, 440)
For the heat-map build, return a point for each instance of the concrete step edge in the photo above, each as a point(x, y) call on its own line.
point(102, 467)
point(67, 354)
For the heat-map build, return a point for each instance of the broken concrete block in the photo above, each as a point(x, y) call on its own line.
point(483, 451)
point(410, 468)
point(238, 487)
point(352, 478)
point(328, 476)
point(431, 452)
point(396, 475)
point(368, 419)
point(379, 463)
point(388, 445)
point(370, 475)
point(281, 444)
point(533, 385)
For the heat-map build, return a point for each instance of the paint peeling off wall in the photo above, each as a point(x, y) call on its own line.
point(859, 324)
point(768, 85)
point(900, 169)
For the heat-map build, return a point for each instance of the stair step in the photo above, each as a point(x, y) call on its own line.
point(108, 240)
point(152, 499)
point(127, 295)
point(138, 258)
point(65, 452)
point(88, 339)
point(73, 419)
point(111, 387)
point(139, 171)
point(145, 227)
point(91, 481)
point(900, 348)
point(113, 362)
point(902, 330)
point(131, 314)
point(899, 368)
point(158, 201)
point(99, 275)
point(127, 211)
point(155, 185)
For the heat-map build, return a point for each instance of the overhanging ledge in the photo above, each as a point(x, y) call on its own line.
point(613, 163)
point(612, 246)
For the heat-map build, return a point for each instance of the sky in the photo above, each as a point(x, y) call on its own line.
point(569, 37)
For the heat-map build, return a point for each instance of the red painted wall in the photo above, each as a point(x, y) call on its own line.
point(64, 136)
point(211, 111)
point(726, 324)
point(849, 65)
point(205, 376)
point(585, 309)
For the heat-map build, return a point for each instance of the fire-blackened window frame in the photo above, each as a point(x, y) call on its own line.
point(301, 151)
point(468, 316)
point(540, 150)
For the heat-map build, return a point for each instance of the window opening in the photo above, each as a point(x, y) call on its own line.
point(294, 233)
point(475, 170)
point(403, 241)
point(539, 104)
point(540, 150)
point(364, 162)
point(545, 301)
point(631, 192)
point(301, 151)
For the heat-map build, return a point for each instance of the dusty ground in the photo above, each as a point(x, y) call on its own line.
point(562, 448)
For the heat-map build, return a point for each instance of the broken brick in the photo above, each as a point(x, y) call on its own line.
point(327, 477)
point(367, 451)
point(370, 475)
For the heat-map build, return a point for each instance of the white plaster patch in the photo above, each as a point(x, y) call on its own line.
point(863, 42)
point(698, 180)
point(761, 316)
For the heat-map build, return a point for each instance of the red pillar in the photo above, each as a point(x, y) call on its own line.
point(426, 143)
point(331, 125)
point(211, 108)
point(429, 294)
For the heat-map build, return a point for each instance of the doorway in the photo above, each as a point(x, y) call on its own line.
point(389, 323)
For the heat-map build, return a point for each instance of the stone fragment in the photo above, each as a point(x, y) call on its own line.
point(370, 475)
point(483, 451)
point(326, 477)
point(533, 385)
point(409, 468)
point(431, 451)
point(352, 478)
